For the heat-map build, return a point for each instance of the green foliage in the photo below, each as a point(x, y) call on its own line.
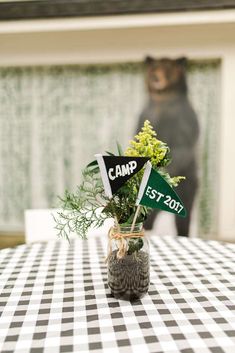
point(83, 209)
point(134, 245)
point(89, 206)
point(122, 204)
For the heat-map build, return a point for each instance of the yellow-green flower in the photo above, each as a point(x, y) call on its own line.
point(146, 144)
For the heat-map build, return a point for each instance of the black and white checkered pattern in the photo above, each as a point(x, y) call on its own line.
point(54, 299)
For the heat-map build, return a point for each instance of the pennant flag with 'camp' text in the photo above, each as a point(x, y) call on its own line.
point(116, 170)
point(155, 192)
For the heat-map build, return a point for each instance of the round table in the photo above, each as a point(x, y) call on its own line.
point(54, 299)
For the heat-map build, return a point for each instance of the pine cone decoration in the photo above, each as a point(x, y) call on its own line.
point(128, 278)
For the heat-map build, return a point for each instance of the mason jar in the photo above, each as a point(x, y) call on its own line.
point(128, 270)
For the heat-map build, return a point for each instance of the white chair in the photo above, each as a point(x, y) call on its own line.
point(40, 226)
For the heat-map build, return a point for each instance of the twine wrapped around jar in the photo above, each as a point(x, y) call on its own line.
point(115, 234)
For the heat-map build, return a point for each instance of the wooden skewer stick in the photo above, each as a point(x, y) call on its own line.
point(117, 224)
point(135, 218)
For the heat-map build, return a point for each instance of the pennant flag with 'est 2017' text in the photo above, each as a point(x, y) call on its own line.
point(116, 170)
point(155, 192)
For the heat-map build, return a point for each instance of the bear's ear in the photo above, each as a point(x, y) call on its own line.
point(182, 61)
point(149, 60)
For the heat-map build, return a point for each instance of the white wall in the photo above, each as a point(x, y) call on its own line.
point(199, 35)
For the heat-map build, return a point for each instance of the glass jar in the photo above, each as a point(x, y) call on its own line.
point(128, 273)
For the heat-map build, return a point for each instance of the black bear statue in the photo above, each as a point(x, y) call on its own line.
point(173, 117)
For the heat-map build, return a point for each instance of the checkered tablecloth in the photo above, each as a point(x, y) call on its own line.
point(54, 299)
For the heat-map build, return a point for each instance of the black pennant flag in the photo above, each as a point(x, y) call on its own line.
point(116, 170)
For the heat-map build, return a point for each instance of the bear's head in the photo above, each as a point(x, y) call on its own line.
point(166, 75)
